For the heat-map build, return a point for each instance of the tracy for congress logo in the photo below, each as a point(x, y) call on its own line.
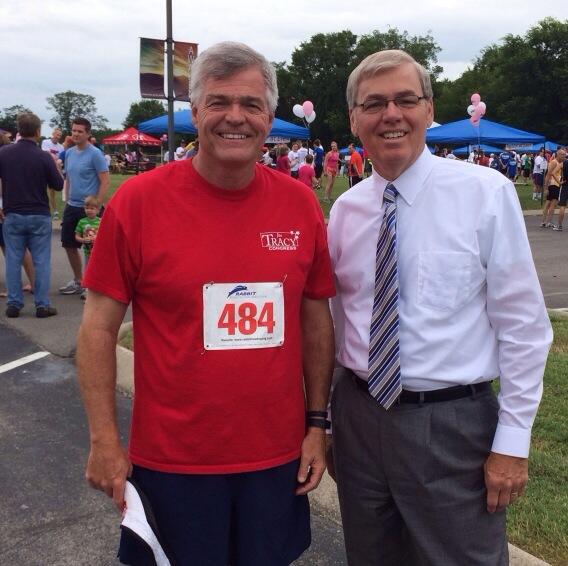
point(281, 241)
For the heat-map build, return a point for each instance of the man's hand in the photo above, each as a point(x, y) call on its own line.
point(312, 460)
point(505, 478)
point(107, 470)
point(329, 456)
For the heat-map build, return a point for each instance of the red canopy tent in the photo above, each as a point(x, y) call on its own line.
point(131, 136)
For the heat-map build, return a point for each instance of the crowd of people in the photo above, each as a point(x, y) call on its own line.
point(238, 326)
point(29, 176)
point(546, 171)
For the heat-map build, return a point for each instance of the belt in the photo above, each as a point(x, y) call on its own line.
point(436, 395)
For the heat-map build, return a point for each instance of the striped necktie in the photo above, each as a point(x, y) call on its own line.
point(384, 362)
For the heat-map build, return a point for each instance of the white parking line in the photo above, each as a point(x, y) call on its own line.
point(23, 361)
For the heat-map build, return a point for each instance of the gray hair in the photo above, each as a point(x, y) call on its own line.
point(381, 61)
point(224, 60)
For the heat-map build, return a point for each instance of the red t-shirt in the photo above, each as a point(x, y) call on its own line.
point(355, 165)
point(305, 174)
point(166, 234)
point(283, 164)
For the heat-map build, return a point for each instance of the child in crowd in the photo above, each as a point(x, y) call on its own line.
point(283, 163)
point(87, 228)
point(307, 174)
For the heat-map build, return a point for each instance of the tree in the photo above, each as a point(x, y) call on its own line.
point(9, 116)
point(523, 81)
point(68, 105)
point(143, 110)
point(320, 68)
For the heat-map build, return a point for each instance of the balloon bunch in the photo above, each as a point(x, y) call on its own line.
point(305, 111)
point(476, 109)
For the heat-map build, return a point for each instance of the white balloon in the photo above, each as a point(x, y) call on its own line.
point(298, 110)
point(471, 109)
point(311, 117)
point(483, 107)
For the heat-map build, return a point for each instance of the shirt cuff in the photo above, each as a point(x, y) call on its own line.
point(512, 441)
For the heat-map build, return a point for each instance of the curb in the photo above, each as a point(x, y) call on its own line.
point(324, 498)
point(124, 364)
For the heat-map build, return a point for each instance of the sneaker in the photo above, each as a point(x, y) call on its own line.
point(550, 225)
point(84, 295)
point(543, 225)
point(44, 312)
point(12, 311)
point(557, 228)
point(72, 288)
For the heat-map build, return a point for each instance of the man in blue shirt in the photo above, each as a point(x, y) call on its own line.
point(318, 161)
point(26, 172)
point(87, 175)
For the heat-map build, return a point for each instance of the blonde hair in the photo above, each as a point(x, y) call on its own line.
point(92, 201)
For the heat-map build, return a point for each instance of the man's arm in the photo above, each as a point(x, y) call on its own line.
point(104, 180)
point(518, 316)
point(318, 355)
point(108, 465)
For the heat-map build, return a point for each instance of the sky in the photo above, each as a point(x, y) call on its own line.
point(92, 46)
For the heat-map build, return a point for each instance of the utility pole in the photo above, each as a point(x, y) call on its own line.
point(170, 71)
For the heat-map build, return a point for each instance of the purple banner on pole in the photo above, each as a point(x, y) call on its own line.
point(152, 68)
point(184, 54)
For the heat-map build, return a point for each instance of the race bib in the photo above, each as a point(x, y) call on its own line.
point(243, 315)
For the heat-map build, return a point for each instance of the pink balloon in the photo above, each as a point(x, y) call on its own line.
point(475, 99)
point(482, 107)
point(308, 107)
point(474, 121)
point(478, 112)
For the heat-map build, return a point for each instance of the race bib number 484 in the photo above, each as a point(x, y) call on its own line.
point(243, 315)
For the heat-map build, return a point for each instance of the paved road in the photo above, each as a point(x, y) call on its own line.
point(48, 516)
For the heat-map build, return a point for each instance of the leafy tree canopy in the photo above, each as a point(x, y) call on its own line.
point(321, 66)
point(8, 118)
point(69, 105)
point(143, 110)
point(523, 81)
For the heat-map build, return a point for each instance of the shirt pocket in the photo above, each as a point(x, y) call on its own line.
point(444, 279)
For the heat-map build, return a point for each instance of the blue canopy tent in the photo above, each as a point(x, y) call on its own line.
point(183, 125)
point(551, 146)
point(345, 150)
point(462, 131)
point(484, 147)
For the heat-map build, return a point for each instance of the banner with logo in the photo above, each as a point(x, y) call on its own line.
point(152, 68)
point(184, 54)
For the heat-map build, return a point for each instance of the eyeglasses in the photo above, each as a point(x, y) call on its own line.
point(380, 103)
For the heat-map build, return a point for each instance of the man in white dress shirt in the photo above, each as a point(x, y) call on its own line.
point(428, 480)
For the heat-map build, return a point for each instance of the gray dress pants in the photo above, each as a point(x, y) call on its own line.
point(411, 483)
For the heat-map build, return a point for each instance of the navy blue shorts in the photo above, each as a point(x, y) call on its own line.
point(246, 519)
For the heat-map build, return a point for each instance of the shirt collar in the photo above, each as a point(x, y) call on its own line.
point(412, 180)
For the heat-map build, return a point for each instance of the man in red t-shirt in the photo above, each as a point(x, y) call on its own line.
point(225, 263)
point(355, 166)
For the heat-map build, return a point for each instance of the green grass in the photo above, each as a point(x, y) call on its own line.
point(538, 522)
point(339, 187)
point(127, 341)
point(525, 196)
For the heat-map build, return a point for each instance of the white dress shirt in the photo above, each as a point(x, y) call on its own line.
point(470, 303)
